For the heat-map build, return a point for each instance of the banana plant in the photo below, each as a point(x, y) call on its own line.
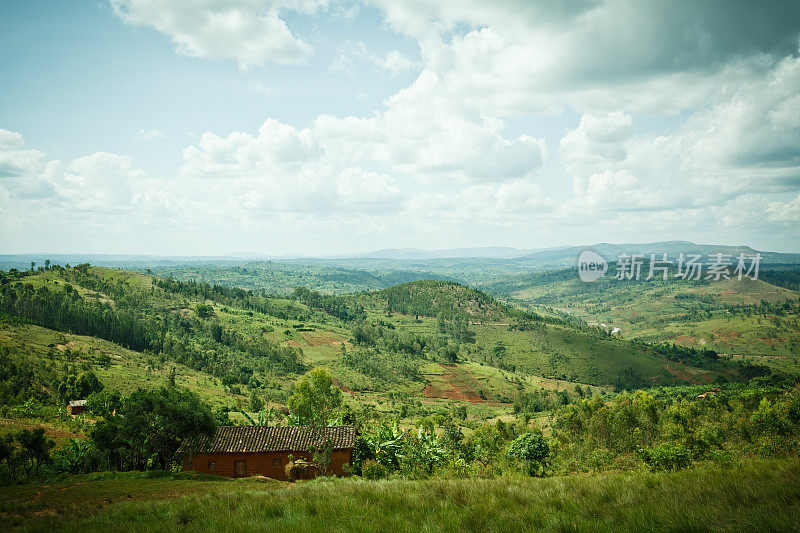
point(265, 416)
point(387, 443)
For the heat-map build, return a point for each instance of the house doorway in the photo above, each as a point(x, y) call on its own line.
point(240, 468)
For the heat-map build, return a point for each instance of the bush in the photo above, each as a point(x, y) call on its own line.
point(531, 449)
point(294, 470)
point(372, 469)
point(666, 457)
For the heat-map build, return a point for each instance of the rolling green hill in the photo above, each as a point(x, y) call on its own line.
point(743, 319)
point(441, 379)
point(413, 348)
point(431, 298)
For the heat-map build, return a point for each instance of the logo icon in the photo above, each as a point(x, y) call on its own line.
point(591, 266)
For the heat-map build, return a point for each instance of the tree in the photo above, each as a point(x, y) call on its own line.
point(256, 404)
point(531, 449)
point(487, 441)
point(87, 383)
point(204, 311)
point(150, 426)
point(104, 403)
point(35, 448)
point(314, 399)
point(322, 455)
point(7, 453)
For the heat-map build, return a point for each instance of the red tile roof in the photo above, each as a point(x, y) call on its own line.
point(248, 439)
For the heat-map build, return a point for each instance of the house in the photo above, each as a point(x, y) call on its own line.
point(241, 451)
point(77, 407)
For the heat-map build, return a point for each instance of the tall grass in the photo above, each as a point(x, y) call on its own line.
point(756, 495)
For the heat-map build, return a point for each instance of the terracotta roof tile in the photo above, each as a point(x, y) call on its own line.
point(248, 439)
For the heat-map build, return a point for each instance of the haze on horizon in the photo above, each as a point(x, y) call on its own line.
point(321, 127)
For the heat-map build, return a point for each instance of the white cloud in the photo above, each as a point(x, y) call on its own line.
point(98, 182)
point(101, 181)
point(785, 211)
point(509, 57)
point(446, 154)
point(21, 171)
point(493, 205)
point(16, 163)
point(285, 169)
point(621, 191)
point(252, 33)
point(745, 142)
point(599, 140)
point(352, 54)
point(420, 134)
point(149, 135)
point(11, 140)
point(426, 143)
point(242, 155)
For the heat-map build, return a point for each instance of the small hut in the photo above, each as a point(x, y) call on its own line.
point(77, 407)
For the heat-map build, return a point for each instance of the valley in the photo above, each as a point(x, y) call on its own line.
point(612, 376)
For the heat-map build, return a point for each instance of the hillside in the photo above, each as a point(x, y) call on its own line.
point(440, 379)
point(432, 298)
point(748, 319)
point(427, 341)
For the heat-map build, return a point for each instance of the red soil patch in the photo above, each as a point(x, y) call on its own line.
point(458, 388)
point(314, 338)
point(726, 335)
point(685, 340)
point(293, 344)
point(432, 391)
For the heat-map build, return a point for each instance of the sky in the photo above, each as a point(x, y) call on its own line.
point(211, 127)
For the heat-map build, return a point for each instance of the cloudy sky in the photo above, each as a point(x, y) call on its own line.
point(316, 126)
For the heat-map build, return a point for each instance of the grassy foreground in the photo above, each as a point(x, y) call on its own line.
point(756, 495)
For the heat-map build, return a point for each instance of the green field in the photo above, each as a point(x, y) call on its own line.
point(756, 495)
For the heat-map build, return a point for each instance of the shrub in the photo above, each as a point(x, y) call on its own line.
point(298, 469)
point(531, 449)
point(666, 457)
point(372, 469)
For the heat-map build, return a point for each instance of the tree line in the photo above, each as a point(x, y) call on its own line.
point(134, 322)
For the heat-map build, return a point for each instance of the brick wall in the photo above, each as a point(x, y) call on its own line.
point(268, 464)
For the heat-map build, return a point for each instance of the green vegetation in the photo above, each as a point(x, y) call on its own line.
point(441, 380)
point(314, 399)
point(146, 428)
point(285, 276)
point(756, 495)
point(436, 298)
point(746, 319)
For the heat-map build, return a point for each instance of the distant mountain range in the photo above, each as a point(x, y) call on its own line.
point(499, 252)
point(522, 258)
point(672, 248)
